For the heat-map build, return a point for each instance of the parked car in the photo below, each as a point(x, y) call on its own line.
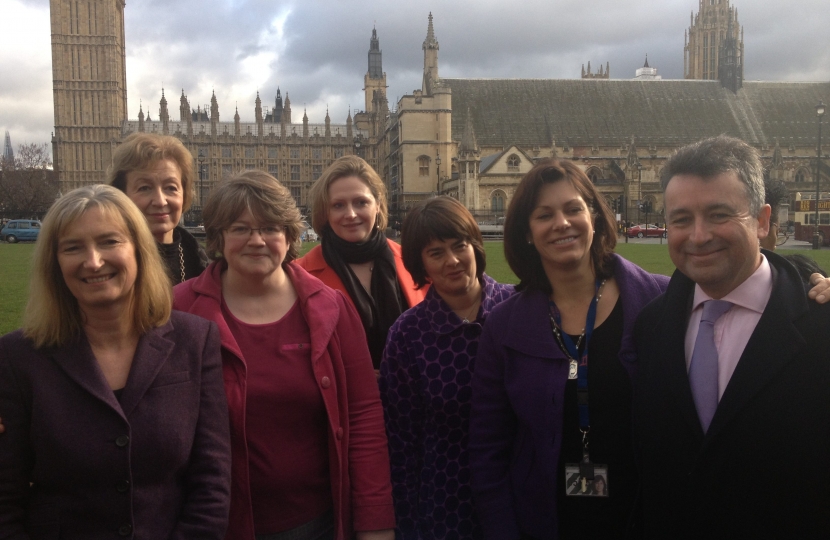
point(648, 231)
point(308, 234)
point(18, 230)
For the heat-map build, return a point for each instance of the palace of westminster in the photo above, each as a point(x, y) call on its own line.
point(472, 139)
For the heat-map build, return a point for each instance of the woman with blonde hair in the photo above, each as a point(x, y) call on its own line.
point(115, 412)
point(156, 172)
point(354, 256)
point(309, 446)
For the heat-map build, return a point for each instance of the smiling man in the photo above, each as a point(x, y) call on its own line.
point(732, 406)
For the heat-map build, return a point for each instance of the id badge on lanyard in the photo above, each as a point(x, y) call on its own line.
point(583, 479)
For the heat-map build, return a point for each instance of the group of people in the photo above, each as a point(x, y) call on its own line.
point(376, 390)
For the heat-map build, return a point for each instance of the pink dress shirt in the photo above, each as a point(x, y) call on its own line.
point(733, 329)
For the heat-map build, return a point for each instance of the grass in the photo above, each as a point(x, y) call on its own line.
point(15, 262)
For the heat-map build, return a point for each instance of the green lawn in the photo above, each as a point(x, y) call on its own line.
point(15, 260)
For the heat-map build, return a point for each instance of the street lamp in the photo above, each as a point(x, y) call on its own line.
point(639, 190)
point(357, 145)
point(820, 114)
point(438, 172)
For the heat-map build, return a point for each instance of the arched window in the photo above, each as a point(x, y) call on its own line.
point(801, 176)
point(497, 201)
point(593, 174)
point(423, 166)
point(513, 163)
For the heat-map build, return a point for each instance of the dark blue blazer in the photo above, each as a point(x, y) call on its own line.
point(762, 470)
point(75, 463)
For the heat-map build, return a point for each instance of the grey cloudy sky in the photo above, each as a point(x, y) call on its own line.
point(316, 50)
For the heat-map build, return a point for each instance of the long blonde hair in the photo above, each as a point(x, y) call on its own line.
point(52, 316)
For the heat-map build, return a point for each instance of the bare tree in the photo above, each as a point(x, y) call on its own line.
point(28, 185)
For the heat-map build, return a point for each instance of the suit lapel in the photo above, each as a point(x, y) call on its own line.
point(80, 365)
point(150, 355)
point(770, 348)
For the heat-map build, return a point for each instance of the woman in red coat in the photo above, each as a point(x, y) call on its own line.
point(308, 441)
point(354, 256)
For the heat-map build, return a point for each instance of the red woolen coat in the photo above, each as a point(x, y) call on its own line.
point(358, 457)
point(316, 265)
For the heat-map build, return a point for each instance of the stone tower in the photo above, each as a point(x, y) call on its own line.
point(375, 78)
point(8, 153)
point(89, 86)
point(713, 28)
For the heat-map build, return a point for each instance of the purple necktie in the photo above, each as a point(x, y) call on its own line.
point(703, 369)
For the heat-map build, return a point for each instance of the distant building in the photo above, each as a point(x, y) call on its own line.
point(647, 73)
point(714, 39)
point(599, 74)
point(8, 153)
point(472, 139)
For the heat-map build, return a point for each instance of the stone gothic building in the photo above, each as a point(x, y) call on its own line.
point(474, 138)
point(91, 119)
point(469, 138)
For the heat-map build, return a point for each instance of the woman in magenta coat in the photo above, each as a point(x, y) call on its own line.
point(307, 432)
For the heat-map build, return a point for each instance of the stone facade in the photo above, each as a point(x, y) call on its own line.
point(489, 132)
point(89, 86)
point(470, 138)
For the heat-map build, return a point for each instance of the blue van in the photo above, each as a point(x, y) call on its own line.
point(18, 230)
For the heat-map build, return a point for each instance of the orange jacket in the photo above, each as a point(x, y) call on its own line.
point(314, 263)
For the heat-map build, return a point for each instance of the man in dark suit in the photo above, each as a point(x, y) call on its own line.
point(732, 407)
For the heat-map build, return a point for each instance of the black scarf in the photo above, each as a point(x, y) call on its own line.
point(380, 310)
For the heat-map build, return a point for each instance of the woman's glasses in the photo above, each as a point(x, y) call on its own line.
point(243, 231)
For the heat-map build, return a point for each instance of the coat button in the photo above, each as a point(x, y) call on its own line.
point(122, 441)
point(123, 486)
point(325, 382)
point(125, 530)
point(339, 433)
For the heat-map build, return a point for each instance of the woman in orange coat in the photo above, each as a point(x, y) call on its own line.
point(354, 256)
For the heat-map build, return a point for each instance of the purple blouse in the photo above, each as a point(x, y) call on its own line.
point(424, 382)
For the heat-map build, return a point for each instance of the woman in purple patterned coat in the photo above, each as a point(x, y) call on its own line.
point(426, 371)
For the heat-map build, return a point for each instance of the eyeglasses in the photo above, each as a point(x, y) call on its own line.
point(243, 231)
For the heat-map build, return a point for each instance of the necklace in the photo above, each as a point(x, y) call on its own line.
point(557, 333)
point(181, 261)
point(471, 313)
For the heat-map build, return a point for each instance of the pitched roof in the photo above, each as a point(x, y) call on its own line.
point(601, 112)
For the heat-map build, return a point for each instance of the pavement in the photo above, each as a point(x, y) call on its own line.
point(791, 243)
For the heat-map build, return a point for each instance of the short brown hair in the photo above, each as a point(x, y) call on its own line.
point(438, 218)
point(268, 200)
point(52, 316)
point(140, 150)
point(522, 256)
point(341, 168)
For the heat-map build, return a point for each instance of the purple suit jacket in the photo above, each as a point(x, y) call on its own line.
point(517, 406)
point(155, 465)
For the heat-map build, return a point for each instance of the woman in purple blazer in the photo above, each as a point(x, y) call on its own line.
point(116, 418)
point(539, 406)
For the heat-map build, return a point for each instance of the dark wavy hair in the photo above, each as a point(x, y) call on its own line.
point(522, 256)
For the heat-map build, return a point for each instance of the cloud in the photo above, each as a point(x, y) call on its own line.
point(315, 51)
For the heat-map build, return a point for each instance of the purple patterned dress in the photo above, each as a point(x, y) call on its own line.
point(425, 379)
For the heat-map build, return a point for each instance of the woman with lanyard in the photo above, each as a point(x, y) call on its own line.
point(349, 213)
point(552, 388)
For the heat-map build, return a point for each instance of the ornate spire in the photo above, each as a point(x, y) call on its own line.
point(430, 42)
point(468, 139)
